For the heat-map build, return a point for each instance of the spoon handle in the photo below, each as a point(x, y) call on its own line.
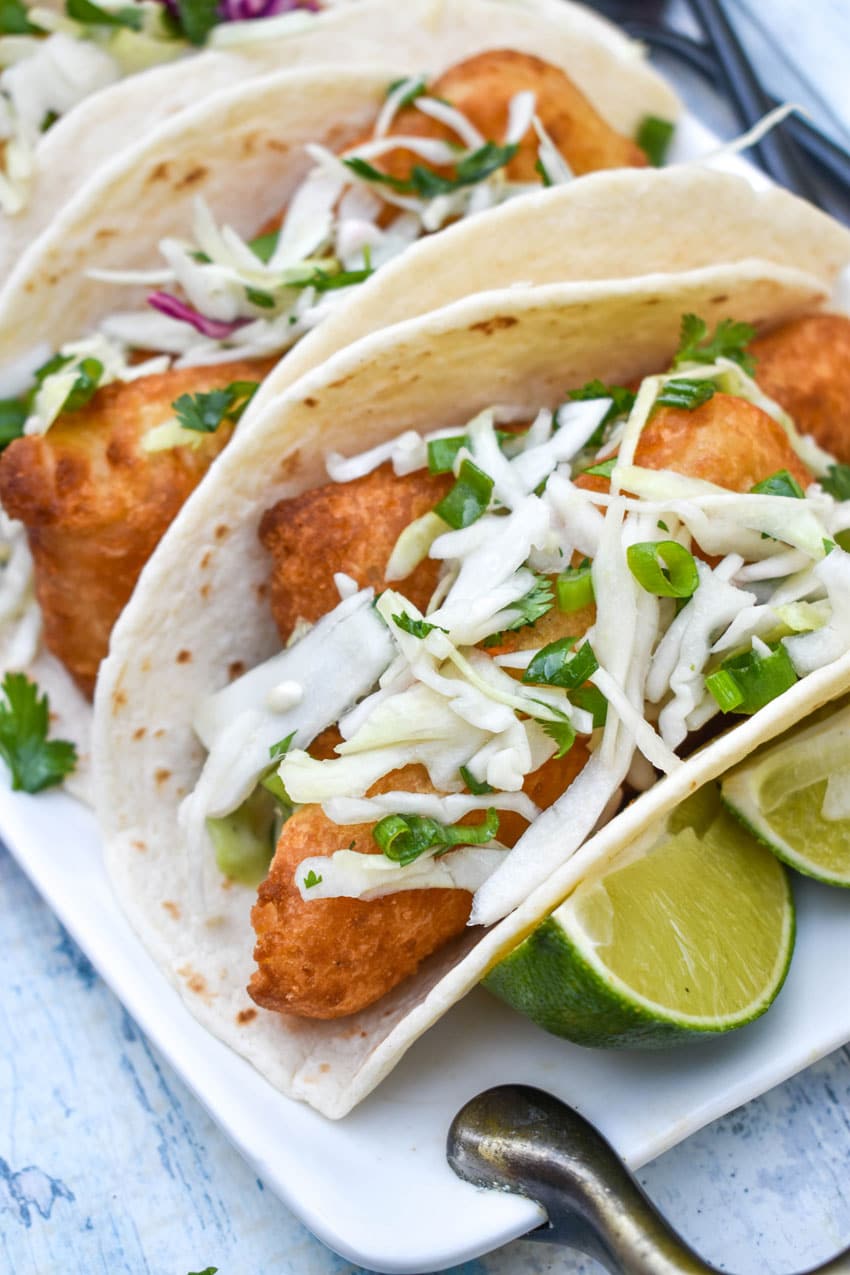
point(519, 1139)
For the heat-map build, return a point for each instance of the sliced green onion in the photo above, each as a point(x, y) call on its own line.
point(403, 838)
point(416, 628)
point(591, 699)
point(442, 453)
point(468, 499)
point(559, 665)
point(663, 567)
point(782, 483)
point(685, 394)
point(653, 137)
point(574, 588)
point(745, 683)
point(477, 787)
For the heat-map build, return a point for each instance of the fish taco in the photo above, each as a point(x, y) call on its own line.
point(469, 609)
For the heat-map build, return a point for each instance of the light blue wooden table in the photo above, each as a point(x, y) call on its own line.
point(108, 1165)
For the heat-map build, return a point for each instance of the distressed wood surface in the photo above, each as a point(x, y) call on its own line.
point(108, 1165)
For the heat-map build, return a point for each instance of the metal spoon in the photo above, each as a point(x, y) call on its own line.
point(515, 1138)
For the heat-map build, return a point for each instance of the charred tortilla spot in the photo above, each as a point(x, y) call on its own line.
point(162, 776)
point(236, 669)
point(222, 531)
point(498, 323)
point(193, 176)
point(246, 1016)
point(105, 232)
point(721, 299)
point(184, 657)
point(140, 732)
point(141, 846)
point(311, 402)
point(119, 700)
point(160, 173)
point(205, 591)
point(206, 560)
point(172, 909)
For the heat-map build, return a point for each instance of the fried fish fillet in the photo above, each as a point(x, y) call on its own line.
point(331, 957)
point(95, 504)
point(348, 527)
point(482, 87)
point(805, 366)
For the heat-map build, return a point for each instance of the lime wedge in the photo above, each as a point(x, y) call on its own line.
point(795, 797)
point(689, 933)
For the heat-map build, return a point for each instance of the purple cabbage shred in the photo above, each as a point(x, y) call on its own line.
point(177, 309)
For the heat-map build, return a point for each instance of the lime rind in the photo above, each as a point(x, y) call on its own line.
point(557, 976)
point(750, 817)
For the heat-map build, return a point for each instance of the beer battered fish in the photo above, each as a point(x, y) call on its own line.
point(805, 366)
point(95, 503)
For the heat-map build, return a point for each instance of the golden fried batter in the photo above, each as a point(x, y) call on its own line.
point(481, 87)
point(805, 367)
point(331, 957)
point(350, 527)
point(727, 441)
point(95, 504)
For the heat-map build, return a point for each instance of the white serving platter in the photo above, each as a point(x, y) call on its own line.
point(376, 1186)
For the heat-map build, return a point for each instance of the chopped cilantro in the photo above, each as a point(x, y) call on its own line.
point(311, 879)
point(779, 484)
point(729, 342)
point(426, 183)
point(323, 281)
point(828, 546)
point(559, 665)
point(836, 481)
point(531, 606)
point(93, 15)
point(622, 404)
point(264, 245)
point(563, 734)
point(14, 19)
point(196, 18)
point(13, 414)
point(604, 469)
point(416, 628)
point(403, 838)
point(281, 748)
point(685, 394)
point(50, 118)
point(35, 761)
point(208, 1270)
point(477, 787)
point(591, 699)
point(89, 372)
point(653, 137)
point(417, 88)
point(263, 299)
point(205, 412)
point(541, 171)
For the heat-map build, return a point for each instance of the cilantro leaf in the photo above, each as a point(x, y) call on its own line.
point(197, 18)
point(89, 372)
point(311, 880)
point(323, 281)
point(622, 403)
point(14, 19)
point(208, 1270)
point(686, 394)
point(782, 483)
point(653, 137)
point(205, 412)
point(416, 628)
point(477, 787)
point(559, 665)
point(836, 481)
point(426, 183)
point(264, 245)
point(728, 342)
point(281, 748)
point(563, 734)
point(604, 469)
point(532, 605)
point(417, 88)
point(13, 414)
point(94, 16)
point(35, 761)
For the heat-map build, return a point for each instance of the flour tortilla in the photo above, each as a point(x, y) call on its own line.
point(413, 35)
point(200, 612)
point(243, 150)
